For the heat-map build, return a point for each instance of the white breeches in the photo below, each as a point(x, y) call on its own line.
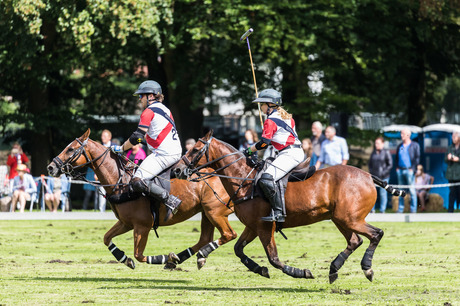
point(154, 164)
point(285, 162)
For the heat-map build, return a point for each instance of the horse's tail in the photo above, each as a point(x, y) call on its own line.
point(388, 188)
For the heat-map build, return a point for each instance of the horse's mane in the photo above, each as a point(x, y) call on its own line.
point(229, 146)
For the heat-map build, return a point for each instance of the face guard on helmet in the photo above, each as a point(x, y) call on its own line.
point(148, 87)
point(269, 96)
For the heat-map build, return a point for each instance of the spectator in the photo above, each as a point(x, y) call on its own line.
point(250, 137)
point(136, 154)
point(334, 150)
point(380, 164)
point(453, 171)
point(307, 148)
point(16, 158)
point(316, 141)
point(23, 187)
point(422, 178)
point(106, 138)
point(189, 144)
point(407, 159)
point(52, 192)
point(89, 189)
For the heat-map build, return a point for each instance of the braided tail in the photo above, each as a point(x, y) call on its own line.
point(388, 188)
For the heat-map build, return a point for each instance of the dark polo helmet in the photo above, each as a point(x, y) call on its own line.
point(148, 87)
point(269, 96)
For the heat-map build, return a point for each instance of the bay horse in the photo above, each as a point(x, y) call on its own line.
point(135, 215)
point(343, 194)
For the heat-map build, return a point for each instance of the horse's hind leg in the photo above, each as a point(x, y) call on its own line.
point(219, 221)
point(118, 229)
point(247, 237)
point(374, 234)
point(266, 236)
point(353, 242)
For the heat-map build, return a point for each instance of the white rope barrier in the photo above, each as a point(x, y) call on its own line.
point(426, 186)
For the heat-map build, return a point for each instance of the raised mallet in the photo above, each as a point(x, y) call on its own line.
point(243, 37)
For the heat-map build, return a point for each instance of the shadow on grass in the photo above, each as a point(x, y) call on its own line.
point(149, 283)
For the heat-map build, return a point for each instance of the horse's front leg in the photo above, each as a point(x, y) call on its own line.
point(266, 235)
point(116, 230)
point(247, 237)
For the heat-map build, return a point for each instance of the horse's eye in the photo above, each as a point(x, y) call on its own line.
point(70, 150)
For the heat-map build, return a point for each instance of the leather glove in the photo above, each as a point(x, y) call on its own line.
point(247, 152)
point(116, 149)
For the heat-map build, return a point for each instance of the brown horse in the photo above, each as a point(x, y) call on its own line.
point(343, 194)
point(136, 215)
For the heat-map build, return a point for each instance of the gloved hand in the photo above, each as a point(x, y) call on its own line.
point(252, 161)
point(116, 149)
point(247, 152)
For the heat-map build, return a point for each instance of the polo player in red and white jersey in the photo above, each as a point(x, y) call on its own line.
point(279, 131)
point(157, 126)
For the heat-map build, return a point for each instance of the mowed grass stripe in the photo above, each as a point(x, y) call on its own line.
point(57, 262)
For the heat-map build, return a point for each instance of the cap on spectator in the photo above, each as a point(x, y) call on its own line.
point(21, 167)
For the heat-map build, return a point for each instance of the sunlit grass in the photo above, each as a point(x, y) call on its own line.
point(57, 262)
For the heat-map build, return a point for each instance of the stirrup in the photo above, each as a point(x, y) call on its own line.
point(172, 204)
point(274, 218)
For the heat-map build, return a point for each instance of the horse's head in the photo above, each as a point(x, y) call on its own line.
point(72, 156)
point(194, 158)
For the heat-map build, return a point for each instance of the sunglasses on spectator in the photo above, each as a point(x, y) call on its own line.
point(140, 97)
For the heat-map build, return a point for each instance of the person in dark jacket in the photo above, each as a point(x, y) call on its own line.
point(380, 164)
point(453, 171)
point(407, 159)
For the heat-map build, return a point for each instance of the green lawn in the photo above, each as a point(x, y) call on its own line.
point(65, 262)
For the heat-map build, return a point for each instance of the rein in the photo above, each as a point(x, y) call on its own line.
point(202, 176)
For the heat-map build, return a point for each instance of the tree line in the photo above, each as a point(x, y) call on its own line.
point(63, 62)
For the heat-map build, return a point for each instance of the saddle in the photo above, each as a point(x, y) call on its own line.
point(300, 173)
point(126, 194)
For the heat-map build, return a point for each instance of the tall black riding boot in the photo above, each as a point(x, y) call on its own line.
point(268, 186)
point(171, 202)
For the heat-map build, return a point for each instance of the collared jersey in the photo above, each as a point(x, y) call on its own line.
point(279, 137)
point(161, 136)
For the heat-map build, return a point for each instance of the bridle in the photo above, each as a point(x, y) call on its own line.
point(67, 166)
point(191, 168)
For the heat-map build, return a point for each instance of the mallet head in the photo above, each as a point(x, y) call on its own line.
point(245, 35)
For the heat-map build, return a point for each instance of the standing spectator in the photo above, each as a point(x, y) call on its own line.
point(316, 141)
point(52, 192)
point(380, 164)
point(453, 171)
point(250, 138)
point(334, 150)
point(307, 148)
point(89, 189)
point(23, 187)
point(189, 144)
point(136, 154)
point(106, 138)
point(407, 159)
point(16, 158)
point(422, 178)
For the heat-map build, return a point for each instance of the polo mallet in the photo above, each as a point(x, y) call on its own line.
point(246, 36)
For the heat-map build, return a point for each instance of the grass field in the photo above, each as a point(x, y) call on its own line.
point(65, 262)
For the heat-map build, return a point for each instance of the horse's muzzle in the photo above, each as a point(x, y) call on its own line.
point(53, 170)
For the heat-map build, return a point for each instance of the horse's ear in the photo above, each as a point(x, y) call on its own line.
point(209, 134)
point(85, 135)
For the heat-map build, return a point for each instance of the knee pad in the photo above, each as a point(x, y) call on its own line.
point(139, 185)
point(267, 184)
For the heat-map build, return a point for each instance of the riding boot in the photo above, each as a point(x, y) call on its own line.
point(171, 202)
point(268, 186)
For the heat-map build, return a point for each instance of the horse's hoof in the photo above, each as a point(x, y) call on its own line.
point(369, 274)
point(201, 262)
point(264, 272)
point(333, 277)
point(130, 263)
point(172, 257)
point(170, 266)
point(308, 274)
